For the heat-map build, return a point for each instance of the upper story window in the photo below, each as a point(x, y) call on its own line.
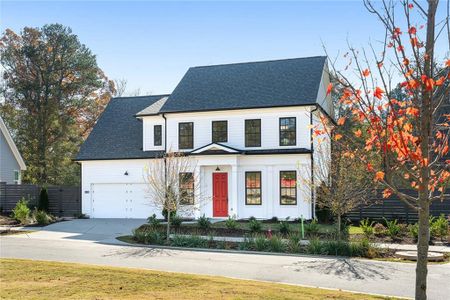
point(288, 132)
point(288, 187)
point(219, 131)
point(253, 133)
point(186, 188)
point(186, 135)
point(157, 135)
point(253, 188)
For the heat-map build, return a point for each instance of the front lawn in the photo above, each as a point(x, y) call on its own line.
point(26, 279)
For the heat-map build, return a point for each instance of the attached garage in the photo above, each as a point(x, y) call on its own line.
point(120, 200)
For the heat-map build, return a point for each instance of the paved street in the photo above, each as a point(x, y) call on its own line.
point(387, 278)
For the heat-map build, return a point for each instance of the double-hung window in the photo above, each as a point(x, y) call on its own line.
point(157, 135)
point(186, 135)
point(288, 132)
point(253, 188)
point(219, 131)
point(253, 133)
point(288, 187)
point(186, 182)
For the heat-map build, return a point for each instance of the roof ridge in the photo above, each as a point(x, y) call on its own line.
point(260, 61)
point(145, 96)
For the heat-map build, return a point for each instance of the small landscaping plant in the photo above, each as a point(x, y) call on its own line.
point(255, 226)
point(231, 223)
point(151, 236)
point(204, 223)
point(176, 222)
point(164, 213)
point(284, 228)
point(414, 231)
point(153, 221)
point(41, 217)
point(439, 227)
point(274, 220)
point(276, 244)
point(367, 227)
point(21, 211)
point(379, 229)
point(261, 243)
point(312, 228)
point(294, 243)
point(191, 241)
point(393, 228)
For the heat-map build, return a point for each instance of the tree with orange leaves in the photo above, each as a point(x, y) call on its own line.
point(409, 135)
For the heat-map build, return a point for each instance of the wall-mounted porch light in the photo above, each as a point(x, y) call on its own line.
point(126, 173)
point(217, 169)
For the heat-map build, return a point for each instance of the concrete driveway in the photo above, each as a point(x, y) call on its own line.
point(90, 230)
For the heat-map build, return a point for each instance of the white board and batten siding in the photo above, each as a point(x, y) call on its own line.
point(270, 124)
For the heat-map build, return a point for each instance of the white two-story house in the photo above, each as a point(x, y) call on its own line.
point(248, 126)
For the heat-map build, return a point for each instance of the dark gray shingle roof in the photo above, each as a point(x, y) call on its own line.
point(118, 133)
point(245, 85)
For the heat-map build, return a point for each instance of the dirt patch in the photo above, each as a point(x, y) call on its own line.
point(7, 220)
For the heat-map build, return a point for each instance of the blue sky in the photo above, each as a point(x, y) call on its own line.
point(152, 44)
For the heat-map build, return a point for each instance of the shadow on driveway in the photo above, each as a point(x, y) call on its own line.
point(346, 268)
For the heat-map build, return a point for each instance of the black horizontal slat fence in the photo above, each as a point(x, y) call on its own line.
point(393, 208)
point(64, 201)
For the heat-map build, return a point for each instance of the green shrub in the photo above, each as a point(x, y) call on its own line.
point(153, 221)
point(379, 229)
point(361, 248)
point(204, 223)
point(367, 227)
point(251, 218)
point(393, 229)
point(255, 226)
point(276, 244)
point(21, 212)
point(43, 200)
point(231, 223)
point(312, 228)
point(41, 217)
point(274, 220)
point(176, 222)
point(414, 231)
point(439, 227)
point(285, 228)
point(151, 236)
point(261, 243)
point(191, 241)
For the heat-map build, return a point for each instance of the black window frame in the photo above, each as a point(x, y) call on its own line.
point(190, 145)
point(182, 180)
point(252, 188)
point(283, 132)
point(213, 132)
point(256, 133)
point(157, 135)
point(294, 188)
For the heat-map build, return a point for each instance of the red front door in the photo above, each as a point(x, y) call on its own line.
point(220, 195)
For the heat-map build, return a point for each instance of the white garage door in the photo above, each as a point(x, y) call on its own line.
point(120, 200)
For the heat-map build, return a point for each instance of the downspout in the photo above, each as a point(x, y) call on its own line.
point(165, 149)
point(313, 202)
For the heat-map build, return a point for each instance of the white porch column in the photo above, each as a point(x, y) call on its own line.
point(234, 192)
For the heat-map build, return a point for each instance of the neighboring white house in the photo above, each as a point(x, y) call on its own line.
point(11, 162)
point(248, 126)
